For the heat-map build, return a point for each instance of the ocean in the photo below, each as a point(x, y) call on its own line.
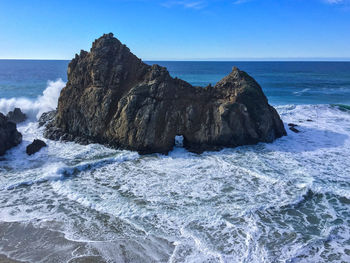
point(286, 201)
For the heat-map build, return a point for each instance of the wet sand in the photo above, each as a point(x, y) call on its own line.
point(4, 259)
point(87, 259)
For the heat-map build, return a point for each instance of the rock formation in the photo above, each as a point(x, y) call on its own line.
point(16, 116)
point(112, 97)
point(35, 146)
point(46, 117)
point(9, 136)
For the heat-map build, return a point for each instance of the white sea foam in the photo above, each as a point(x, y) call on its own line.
point(34, 108)
point(284, 201)
point(301, 92)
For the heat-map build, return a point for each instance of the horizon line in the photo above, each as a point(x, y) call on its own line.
point(296, 59)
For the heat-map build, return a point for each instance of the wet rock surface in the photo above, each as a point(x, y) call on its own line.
point(112, 97)
point(35, 146)
point(9, 136)
point(46, 117)
point(293, 129)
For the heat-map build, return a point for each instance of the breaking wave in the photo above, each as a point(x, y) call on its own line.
point(34, 108)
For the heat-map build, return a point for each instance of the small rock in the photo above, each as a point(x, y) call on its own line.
point(309, 120)
point(35, 146)
point(16, 116)
point(292, 125)
point(294, 129)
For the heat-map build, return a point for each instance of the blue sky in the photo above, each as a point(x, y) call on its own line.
point(179, 29)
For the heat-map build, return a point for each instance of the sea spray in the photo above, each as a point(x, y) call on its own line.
point(34, 108)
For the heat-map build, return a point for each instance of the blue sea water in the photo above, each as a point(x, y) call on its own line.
point(28, 78)
point(288, 201)
point(283, 82)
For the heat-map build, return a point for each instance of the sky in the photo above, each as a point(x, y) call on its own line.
point(179, 29)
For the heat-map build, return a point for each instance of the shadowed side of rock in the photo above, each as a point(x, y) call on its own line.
point(35, 146)
point(112, 97)
point(9, 136)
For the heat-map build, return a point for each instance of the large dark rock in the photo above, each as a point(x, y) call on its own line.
point(16, 116)
point(35, 146)
point(9, 136)
point(113, 97)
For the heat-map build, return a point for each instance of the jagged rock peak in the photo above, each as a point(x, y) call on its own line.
point(112, 97)
point(16, 116)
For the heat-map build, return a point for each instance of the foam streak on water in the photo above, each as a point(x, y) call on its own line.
point(282, 202)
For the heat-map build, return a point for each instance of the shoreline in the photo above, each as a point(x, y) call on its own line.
point(5, 259)
point(82, 259)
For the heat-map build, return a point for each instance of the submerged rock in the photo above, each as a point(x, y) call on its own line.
point(293, 129)
point(112, 97)
point(9, 136)
point(16, 116)
point(35, 146)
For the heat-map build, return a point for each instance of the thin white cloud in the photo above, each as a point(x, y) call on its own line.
point(238, 2)
point(334, 1)
point(331, 2)
point(200, 4)
point(190, 4)
point(344, 4)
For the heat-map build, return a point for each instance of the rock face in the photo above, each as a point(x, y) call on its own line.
point(9, 136)
point(46, 117)
point(35, 146)
point(16, 116)
point(112, 97)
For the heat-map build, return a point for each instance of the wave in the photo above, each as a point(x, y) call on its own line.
point(73, 170)
point(34, 108)
point(268, 192)
point(301, 92)
point(64, 172)
point(342, 107)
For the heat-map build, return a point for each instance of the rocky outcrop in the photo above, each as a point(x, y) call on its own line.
point(16, 116)
point(46, 117)
point(112, 97)
point(9, 136)
point(35, 146)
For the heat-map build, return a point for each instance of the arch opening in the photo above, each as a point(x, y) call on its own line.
point(179, 141)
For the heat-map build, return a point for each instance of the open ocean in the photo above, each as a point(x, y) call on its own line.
point(288, 201)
